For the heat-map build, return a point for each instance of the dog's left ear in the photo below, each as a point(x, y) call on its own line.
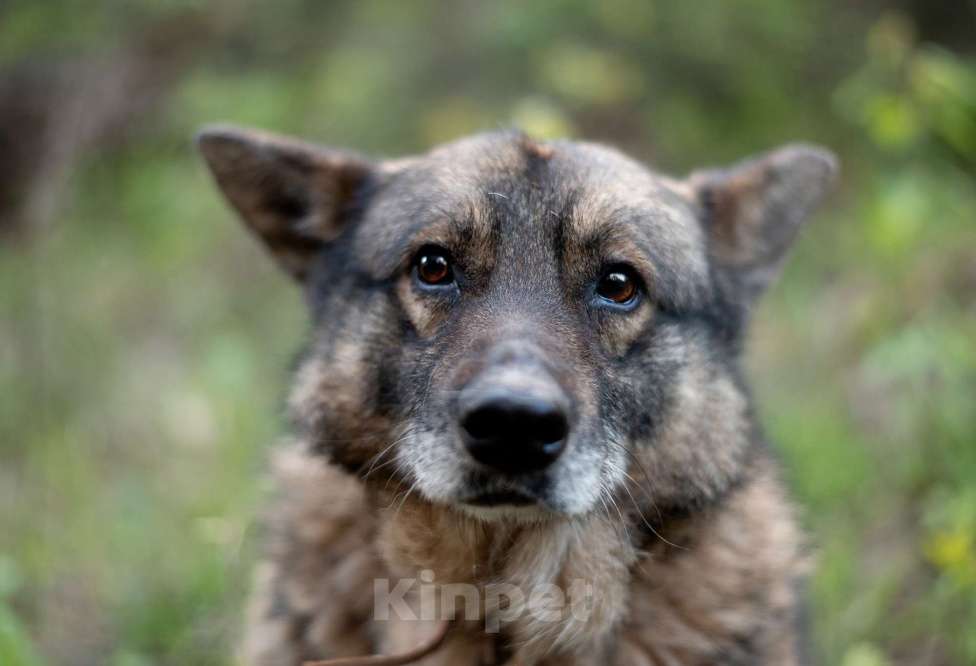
point(753, 210)
point(293, 195)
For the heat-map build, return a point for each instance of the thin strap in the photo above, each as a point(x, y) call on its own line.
point(394, 659)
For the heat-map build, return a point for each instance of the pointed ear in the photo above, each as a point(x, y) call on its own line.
point(292, 195)
point(753, 210)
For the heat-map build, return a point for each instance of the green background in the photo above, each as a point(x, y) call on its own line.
point(145, 339)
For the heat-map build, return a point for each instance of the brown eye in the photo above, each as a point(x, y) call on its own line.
point(434, 267)
point(617, 285)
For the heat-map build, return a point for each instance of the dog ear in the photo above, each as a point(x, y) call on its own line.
point(293, 195)
point(753, 210)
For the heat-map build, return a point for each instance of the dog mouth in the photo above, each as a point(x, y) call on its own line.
point(484, 491)
point(510, 497)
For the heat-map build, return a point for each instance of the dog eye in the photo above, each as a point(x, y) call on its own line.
point(433, 266)
point(618, 285)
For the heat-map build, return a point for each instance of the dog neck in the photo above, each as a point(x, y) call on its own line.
point(587, 559)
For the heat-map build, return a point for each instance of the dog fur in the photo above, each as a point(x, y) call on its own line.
point(666, 500)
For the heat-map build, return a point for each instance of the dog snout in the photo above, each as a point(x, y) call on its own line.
point(514, 432)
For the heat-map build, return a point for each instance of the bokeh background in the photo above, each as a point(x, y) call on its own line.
point(145, 339)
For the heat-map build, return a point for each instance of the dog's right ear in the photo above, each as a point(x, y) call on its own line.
point(754, 210)
point(292, 194)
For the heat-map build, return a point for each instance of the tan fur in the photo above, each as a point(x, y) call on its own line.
point(723, 574)
point(737, 578)
point(709, 457)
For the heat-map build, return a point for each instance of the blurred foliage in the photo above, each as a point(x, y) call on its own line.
point(144, 338)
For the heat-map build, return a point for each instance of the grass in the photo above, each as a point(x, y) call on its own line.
point(145, 339)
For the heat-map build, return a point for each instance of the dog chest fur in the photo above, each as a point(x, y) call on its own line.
point(721, 589)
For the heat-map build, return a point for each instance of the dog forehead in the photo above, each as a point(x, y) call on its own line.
point(471, 166)
point(611, 188)
point(591, 189)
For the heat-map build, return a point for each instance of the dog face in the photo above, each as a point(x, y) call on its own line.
point(523, 329)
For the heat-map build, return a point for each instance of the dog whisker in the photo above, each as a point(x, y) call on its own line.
point(646, 493)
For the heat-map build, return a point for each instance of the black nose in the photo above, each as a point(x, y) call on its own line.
point(515, 434)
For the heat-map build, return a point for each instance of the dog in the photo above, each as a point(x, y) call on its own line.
point(524, 370)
